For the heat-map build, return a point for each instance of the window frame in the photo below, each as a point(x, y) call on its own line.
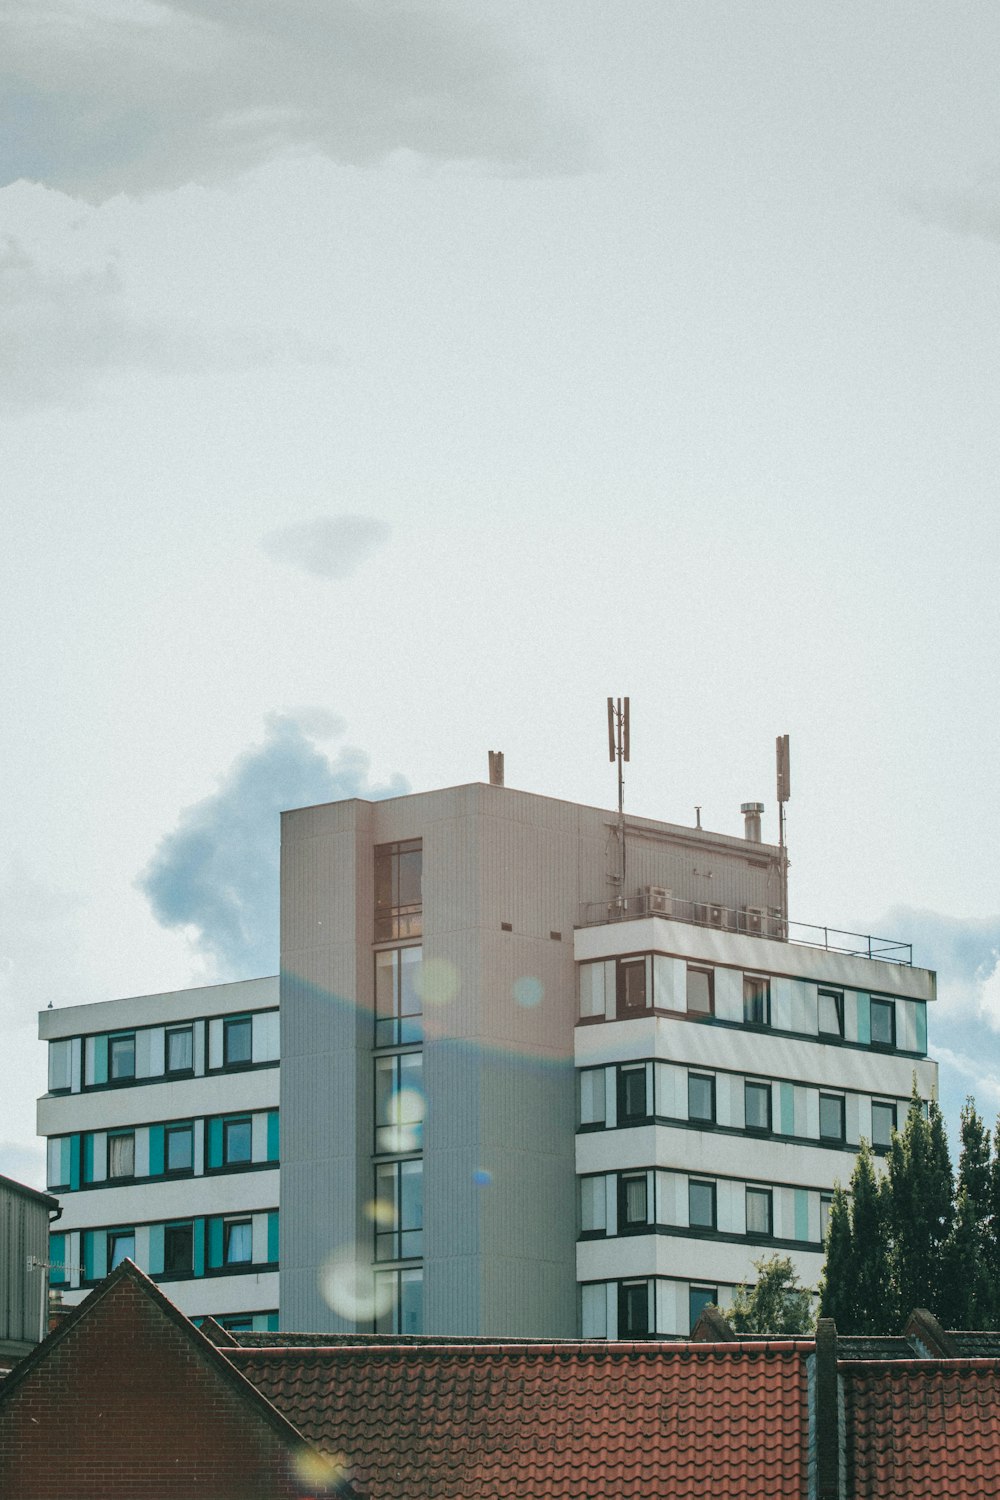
point(629, 964)
point(116, 1038)
point(114, 1235)
point(395, 1137)
point(766, 1196)
point(758, 1086)
point(395, 1025)
point(698, 1290)
point(841, 1101)
point(708, 1078)
point(750, 1000)
point(173, 1131)
point(626, 1223)
point(626, 1291)
point(890, 1105)
point(885, 1007)
point(400, 1240)
point(232, 1123)
point(626, 1072)
point(176, 1031)
point(837, 996)
point(244, 1222)
point(120, 1135)
point(170, 1232)
point(709, 976)
point(229, 1028)
point(61, 1049)
point(703, 1184)
point(395, 919)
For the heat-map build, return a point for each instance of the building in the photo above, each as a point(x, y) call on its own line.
point(25, 1216)
point(128, 1400)
point(545, 1072)
point(163, 1143)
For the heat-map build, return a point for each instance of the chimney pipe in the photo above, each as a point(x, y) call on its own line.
point(751, 812)
point(496, 767)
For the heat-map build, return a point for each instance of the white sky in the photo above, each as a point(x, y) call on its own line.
point(645, 347)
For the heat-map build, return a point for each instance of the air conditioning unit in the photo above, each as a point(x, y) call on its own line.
point(659, 902)
point(712, 915)
point(755, 920)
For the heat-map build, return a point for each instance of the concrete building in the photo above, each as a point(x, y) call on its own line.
point(162, 1126)
point(25, 1216)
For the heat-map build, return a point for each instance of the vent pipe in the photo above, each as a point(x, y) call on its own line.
point(751, 813)
point(496, 767)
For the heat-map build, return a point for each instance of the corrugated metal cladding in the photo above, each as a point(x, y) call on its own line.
point(24, 1232)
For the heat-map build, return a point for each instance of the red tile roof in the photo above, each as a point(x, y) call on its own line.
point(923, 1428)
point(561, 1420)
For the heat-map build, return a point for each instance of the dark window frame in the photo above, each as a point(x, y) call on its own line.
point(120, 1135)
point(697, 1290)
point(887, 1008)
point(766, 1195)
point(115, 1038)
point(231, 1123)
point(625, 993)
point(175, 1131)
point(837, 996)
point(709, 976)
point(709, 1078)
point(764, 1090)
point(396, 1242)
point(841, 1102)
point(889, 1105)
point(393, 1063)
point(113, 1236)
point(703, 1185)
point(758, 996)
point(171, 1234)
point(631, 1326)
point(236, 1025)
point(396, 1026)
point(397, 919)
point(228, 1226)
point(188, 1068)
point(627, 1224)
point(627, 1073)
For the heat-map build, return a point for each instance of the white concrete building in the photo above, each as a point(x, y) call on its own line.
point(163, 1143)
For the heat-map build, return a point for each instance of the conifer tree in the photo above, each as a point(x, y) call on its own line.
point(968, 1298)
point(920, 1206)
point(776, 1304)
point(836, 1289)
point(875, 1307)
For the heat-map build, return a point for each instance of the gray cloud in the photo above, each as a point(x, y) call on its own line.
point(330, 546)
point(216, 874)
point(61, 330)
point(975, 212)
point(133, 96)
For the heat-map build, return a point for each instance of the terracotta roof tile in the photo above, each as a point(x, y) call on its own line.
point(923, 1428)
point(559, 1421)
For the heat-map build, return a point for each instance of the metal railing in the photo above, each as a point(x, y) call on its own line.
point(749, 921)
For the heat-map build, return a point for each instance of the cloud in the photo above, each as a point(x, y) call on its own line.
point(38, 945)
point(60, 330)
point(216, 874)
point(130, 96)
point(963, 950)
point(330, 546)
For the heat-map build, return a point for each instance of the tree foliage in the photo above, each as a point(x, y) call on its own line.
point(775, 1304)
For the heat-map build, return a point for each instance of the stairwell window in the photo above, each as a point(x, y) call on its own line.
point(399, 890)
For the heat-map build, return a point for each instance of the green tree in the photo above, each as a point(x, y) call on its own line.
point(920, 1207)
point(968, 1295)
point(872, 1292)
point(776, 1304)
point(835, 1288)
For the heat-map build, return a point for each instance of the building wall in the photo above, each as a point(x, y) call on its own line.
point(24, 1238)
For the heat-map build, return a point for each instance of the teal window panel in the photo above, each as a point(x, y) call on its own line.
point(57, 1255)
point(864, 1019)
point(100, 1060)
point(272, 1323)
point(74, 1162)
point(87, 1254)
point(788, 1109)
point(801, 1214)
point(214, 1142)
point(88, 1157)
point(920, 1017)
point(198, 1250)
point(272, 1236)
point(95, 1254)
point(214, 1243)
point(156, 1150)
point(155, 1249)
point(272, 1135)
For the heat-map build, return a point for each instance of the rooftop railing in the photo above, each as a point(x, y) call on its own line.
point(749, 921)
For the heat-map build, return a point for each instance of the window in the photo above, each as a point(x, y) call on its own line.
point(237, 1139)
point(701, 1097)
point(399, 1102)
point(633, 1309)
point(593, 1097)
point(399, 1298)
point(60, 1066)
point(759, 1211)
point(757, 1103)
point(398, 890)
point(399, 1195)
point(59, 1174)
point(178, 1148)
point(883, 1122)
point(632, 1200)
point(633, 997)
point(756, 1000)
point(593, 985)
point(121, 1154)
point(701, 1204)
point(397, 996)
point(632, 1095)
point(180, 1050)
point(121, 1057)
point(178, 1249)
point(700, 1297)
point(883, 1013)
point(831, 1117)
point(237, 1042)
point(831, 1013)
point(237, 1242)
point(593, 1206)
point(700, 992)
point(825, 1205)
point(121, 1246)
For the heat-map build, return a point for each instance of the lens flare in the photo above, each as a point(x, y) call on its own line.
point(320, 1471)
point(381, 1212)
point(404, 1118)
point(481, 1177)
point(437, 981)
point(350, 1286)
point(528, 991)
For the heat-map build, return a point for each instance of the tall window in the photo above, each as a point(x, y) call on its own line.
point(831, 1013)
point(633, 1200)
point(180, 1050)
point(397, 997)
point(825, 1205)
point(701, 1204)
point(179, 1148)
point(399, 1296)
point(237, 1138)
point(237, 1242)
point(178, 1249)
point(121, 1154)
point(632, 1101)
point(121, 1056)
point(399, 1102)
point(883, 1122)
point(757, 1103)
point(60, 1066)
point(759, 1210)
point(237, 1041)
point(831, 1117)
point(699, 1298)
point(398, 890)
point(593, 1205)
point(756, 1000)
point(700, 987)
point(633, 996)
point(633, 1309)
point(593, 1096)
point(399, 1192)
point(121, 1246)
point(701, 1097)
point(883, 1014)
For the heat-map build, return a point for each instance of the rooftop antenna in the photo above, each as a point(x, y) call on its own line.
point(618, 749)
point(784, 793)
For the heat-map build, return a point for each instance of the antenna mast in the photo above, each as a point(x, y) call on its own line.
point(784, 793)
point(618, 749)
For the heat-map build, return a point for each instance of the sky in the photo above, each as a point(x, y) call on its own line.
point(387, 381)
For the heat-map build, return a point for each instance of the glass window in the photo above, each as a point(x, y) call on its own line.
point(883, 1014)
point(59, 1161)
point(632, 988)
point(399, 1195)
point(179, 1148)
point(60, 1066)
point(757, 1102)
point(121, 1056)
point(700, 991)
point(825, 1205)
point(121, 1154)
point(701, 1204)
point(756, 1000)
point(699, 1297)
point(701, 1097)
point(883, 1122)
point(397, 996)
point(831, 1117)
point(632, 1207)
point(398, 890)
point(237, 1138)
point(180, 1050)
point(593, 1098)
point(592, 1000)
point(178, 1249)
point(121, 1246)
point(633, 1309)
point(400, 1294)
point(593, 1205)
point(237, 1041)
point(831, 1013)
point(237, 1242)
point(759, 1210)
point(632, 1094)
point(399, 1102)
